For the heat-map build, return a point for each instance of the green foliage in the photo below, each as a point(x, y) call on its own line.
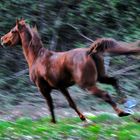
point(103, 126)
point(79, 45)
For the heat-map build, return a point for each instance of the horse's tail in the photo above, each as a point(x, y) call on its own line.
point(111, 46)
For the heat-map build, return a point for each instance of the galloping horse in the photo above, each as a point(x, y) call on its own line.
point(59, 70)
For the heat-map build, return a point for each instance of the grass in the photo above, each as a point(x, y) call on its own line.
point(102, 127)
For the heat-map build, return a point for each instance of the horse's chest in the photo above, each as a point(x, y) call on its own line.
point(33, 75)
point(37, 72)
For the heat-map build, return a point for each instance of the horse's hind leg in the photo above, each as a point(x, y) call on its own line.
point(107, 98)
point(71, 103)
point(102, 77)
point(114, 82)
point(45, 89)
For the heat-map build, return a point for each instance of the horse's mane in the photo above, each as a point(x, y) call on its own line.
point(101, 44)
point(36, 39)
point(35, 42)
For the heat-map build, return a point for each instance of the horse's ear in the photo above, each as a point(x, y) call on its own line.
point(22, 19)
point(35, 28)
point(19, 26)
point(17, 21)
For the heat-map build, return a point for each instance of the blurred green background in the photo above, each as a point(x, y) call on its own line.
point(64, 25)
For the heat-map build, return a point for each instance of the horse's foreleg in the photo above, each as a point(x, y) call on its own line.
point(45, 90)
point(50, 105)
point(114, 82)
point(71, 103)
point(107, 98)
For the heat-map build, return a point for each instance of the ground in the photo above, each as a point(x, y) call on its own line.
point(36, 107)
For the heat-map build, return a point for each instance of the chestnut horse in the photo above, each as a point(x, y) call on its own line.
point(58, 70)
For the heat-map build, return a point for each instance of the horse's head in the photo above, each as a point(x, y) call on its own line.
point(12, 38)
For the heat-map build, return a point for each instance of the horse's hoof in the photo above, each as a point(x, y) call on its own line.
point(53, 121)
point(122, 114)
point(83, 118)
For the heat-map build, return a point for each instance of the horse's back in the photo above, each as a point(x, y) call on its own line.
point(82, 67)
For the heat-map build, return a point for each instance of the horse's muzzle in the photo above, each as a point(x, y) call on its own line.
point(1, 43)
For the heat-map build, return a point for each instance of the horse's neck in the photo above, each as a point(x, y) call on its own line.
point(30, 51)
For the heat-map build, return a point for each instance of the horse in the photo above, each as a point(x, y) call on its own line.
point(58, 70)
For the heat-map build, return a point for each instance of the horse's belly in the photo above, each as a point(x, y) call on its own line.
point(58, 80)
point(86, 75)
